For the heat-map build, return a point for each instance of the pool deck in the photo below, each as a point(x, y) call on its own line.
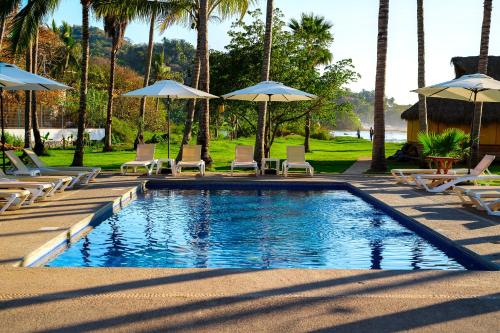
point(129, 299)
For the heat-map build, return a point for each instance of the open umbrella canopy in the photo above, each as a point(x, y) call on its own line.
point(29, 80)
point(269, 91)
point(473, 87)
point(169, 89)
point(7, 81)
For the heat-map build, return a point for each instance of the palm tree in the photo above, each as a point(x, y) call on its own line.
point(422, 109)
point(8, 8)
point(482, 68)
point(71, 46)
point(315, 32)
point(260, 150)
point(378, 150)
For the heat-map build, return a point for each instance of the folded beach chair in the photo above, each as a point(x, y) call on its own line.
point(482, 197)
point(144, 158)
point(78, 177)
point(191, 158)
point(440, 182)
point(59, 183)
point(12, 199)
point(94, 171)
point(38, 190)
point(296, 159)
point(244, 159)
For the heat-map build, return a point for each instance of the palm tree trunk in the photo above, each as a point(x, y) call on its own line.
point(39, 148)
point(260, 140)
point(204, 134)
point(188, 124)
point(82, 112)
point(378, 150)
point(422, 109)
point(27, 103)
point(147, 72)
point(3, 21)
point(111, 88)
point(307, 132)
point(482, 68)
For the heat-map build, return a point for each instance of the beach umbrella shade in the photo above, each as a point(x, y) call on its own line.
point(170, 90)
point(471, 88)
point(269, 91)
point(5, 82)
point(25, 81)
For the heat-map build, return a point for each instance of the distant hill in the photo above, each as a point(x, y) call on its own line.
point(179, 54)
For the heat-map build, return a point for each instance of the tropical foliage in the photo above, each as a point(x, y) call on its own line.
point(450, 143)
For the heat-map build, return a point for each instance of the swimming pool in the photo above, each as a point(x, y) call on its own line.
point(217, 228)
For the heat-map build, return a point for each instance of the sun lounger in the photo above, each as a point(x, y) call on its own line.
point(94, 171)
point(406, 176)
point(78, 177)
point(441, 182)
point(12, 199)
point(144, 158)
point(60, 183)
point(191, 158)
point(296, 159)
point(244, 159)
point(482, 197)
point(38, 190)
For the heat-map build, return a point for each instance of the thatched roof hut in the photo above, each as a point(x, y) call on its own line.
point(459, 112)
point(446, 113)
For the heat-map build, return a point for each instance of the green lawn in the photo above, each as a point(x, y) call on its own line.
point(333, 156)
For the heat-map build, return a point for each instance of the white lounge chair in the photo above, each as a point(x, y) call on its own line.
point(38, 190)
point(406, 176)
point(78, 177)
point(442, 182)
point(144, 158)
point(296, 159)
point(482, 197)
point(191, 158)
point(59, 183)
point(12, 199)
point(244, 159)
point(94, 171)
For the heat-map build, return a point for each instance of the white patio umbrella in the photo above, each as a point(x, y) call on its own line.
point(5, 82)
point(26, 81)
point(170, 90)
point(269, 91)
point(471, 88)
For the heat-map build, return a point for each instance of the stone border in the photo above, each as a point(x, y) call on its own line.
point(59, 243)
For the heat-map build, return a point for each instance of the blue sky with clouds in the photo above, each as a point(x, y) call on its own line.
point(452, 28)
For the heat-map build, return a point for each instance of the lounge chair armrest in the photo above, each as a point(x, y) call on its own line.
point(32, 172)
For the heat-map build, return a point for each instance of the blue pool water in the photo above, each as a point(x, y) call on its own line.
point(253, 229)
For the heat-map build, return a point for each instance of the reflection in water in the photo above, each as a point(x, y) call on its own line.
point(253, 229)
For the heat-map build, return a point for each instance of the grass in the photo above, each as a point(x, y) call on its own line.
point(327, 156)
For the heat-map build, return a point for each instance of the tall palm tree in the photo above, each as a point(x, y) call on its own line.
point(482, 68)
point(422, 109)
point(8, 8)
point(315, 31)
point(71, 46)
point(39, 146)
point(378, 150)
point(260, 149)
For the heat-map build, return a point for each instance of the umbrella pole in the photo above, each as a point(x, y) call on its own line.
point(168, 127)
point(469, 162)
point(3, 129)
point(269, 125)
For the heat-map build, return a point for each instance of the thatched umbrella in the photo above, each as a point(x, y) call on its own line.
point(471, 88)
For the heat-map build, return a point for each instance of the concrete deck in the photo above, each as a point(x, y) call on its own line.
point(126, 299)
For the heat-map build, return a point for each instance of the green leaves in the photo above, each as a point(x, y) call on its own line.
point(450, 143)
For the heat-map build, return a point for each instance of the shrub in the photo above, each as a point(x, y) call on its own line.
point(14, 140)
point(450, 143)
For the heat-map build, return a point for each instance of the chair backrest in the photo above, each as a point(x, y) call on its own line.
point(145, 152)
point(191, 153)
point(243, 154)
point(16, 161)
point(295, 154)
point(34, 157)
point(482, 165)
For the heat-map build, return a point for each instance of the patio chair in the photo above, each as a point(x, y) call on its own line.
point(296, 159)
point(244, 159)
point(144, 158)
point(482, 197)
point(440, 182)
point(12, 199)
point(78, 177)
point(59, 183)
point(191, 158)
point(38, 190)
point(94, 171)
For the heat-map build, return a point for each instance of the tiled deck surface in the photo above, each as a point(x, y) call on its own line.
point(77, 300)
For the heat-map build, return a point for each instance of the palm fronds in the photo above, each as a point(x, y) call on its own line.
point(450, 143)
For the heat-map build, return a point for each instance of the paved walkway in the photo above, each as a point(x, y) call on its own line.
point(359, 167)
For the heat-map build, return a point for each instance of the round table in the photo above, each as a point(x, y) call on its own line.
point(443, 164)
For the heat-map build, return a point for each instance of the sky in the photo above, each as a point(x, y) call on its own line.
point(452, 28)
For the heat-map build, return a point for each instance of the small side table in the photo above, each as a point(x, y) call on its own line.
point(267, 163)
point(169, 164)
